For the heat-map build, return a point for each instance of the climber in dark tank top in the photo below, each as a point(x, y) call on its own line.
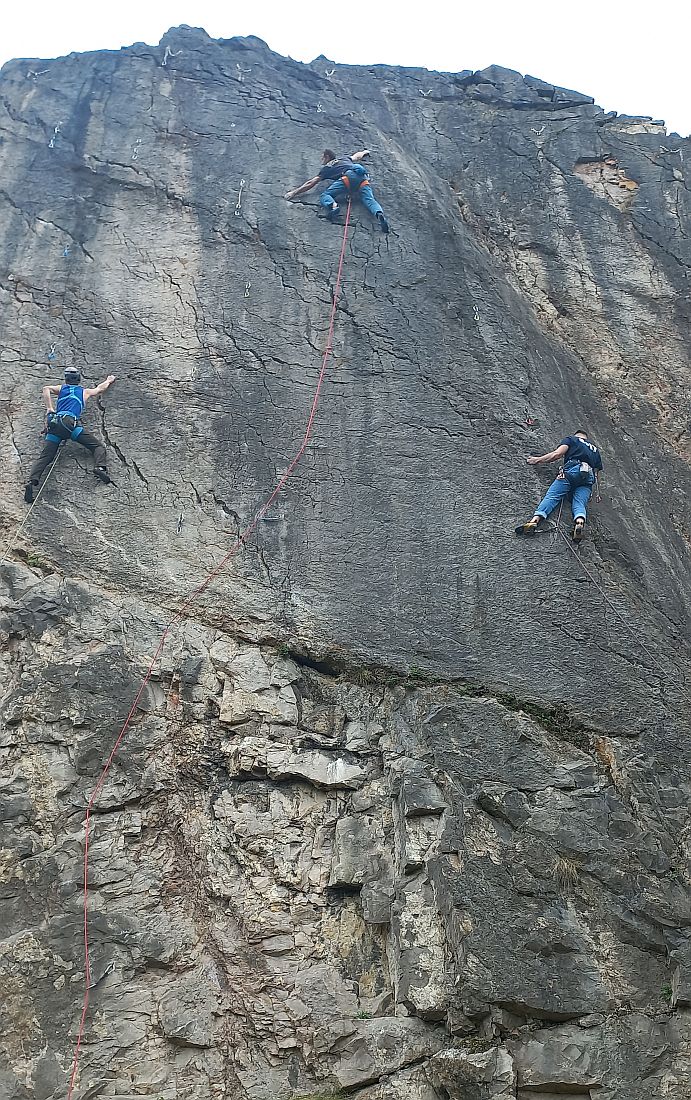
point(581, 464)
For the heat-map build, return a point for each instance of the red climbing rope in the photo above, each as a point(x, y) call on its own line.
point(241, 539)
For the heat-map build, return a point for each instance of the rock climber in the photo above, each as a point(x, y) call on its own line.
point(349, 178)
point(576, 478)
point(64, 422)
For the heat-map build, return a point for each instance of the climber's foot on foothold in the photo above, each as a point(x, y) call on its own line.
point(334, 212)
point(102, 475)
point(29, 492)
point(530, 527)
point(578, 529)
point(383, 224)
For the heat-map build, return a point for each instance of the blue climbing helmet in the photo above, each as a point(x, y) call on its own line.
point(72, 376)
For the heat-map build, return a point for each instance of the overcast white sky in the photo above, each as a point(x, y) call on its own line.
point(630, 62)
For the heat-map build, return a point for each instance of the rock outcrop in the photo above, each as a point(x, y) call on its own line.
point(403, 812)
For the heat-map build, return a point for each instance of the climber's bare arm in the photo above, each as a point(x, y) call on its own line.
point(551, 456)
point(303, 189)
point(101, 388)
point(48, 392)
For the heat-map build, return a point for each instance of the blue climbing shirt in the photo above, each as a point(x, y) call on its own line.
point(336, 168)
point(580, 450)
point(70, 401)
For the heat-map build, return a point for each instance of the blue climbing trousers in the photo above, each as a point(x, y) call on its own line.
point(355, 183)
point(559, 489)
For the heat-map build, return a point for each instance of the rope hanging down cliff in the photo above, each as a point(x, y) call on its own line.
point(11, 544)
point(661, 671)
point(184, 607)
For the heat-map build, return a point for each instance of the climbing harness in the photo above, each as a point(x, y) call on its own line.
point(67, 421)
point(12, 543)
point(355, 177)
point(178, 617)
point(578, 473)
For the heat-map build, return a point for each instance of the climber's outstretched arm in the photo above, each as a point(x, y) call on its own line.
point(101, 388)
point(551, 456)
point(303, 189)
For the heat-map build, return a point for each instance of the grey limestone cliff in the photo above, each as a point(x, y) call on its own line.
point(403, 812)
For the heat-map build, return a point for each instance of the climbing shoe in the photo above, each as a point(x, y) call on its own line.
point(383, 224)
point(530, 527)
point(578, 530)
point(29, 492)
point(334, 212)
point(102, 475)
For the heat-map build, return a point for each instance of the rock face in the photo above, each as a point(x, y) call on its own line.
point(403, 812)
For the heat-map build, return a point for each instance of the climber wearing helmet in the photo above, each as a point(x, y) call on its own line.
point(64, 422)
point(575, 479)
point(349, 178)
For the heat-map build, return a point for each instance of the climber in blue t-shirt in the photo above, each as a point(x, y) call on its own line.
point(346, 177)
point(64, 422)
point(581, 463)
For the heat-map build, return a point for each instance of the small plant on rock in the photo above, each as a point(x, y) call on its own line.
point(361, 677)
point(565, 871)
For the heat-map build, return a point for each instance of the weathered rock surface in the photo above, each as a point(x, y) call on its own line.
point(403, 813)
